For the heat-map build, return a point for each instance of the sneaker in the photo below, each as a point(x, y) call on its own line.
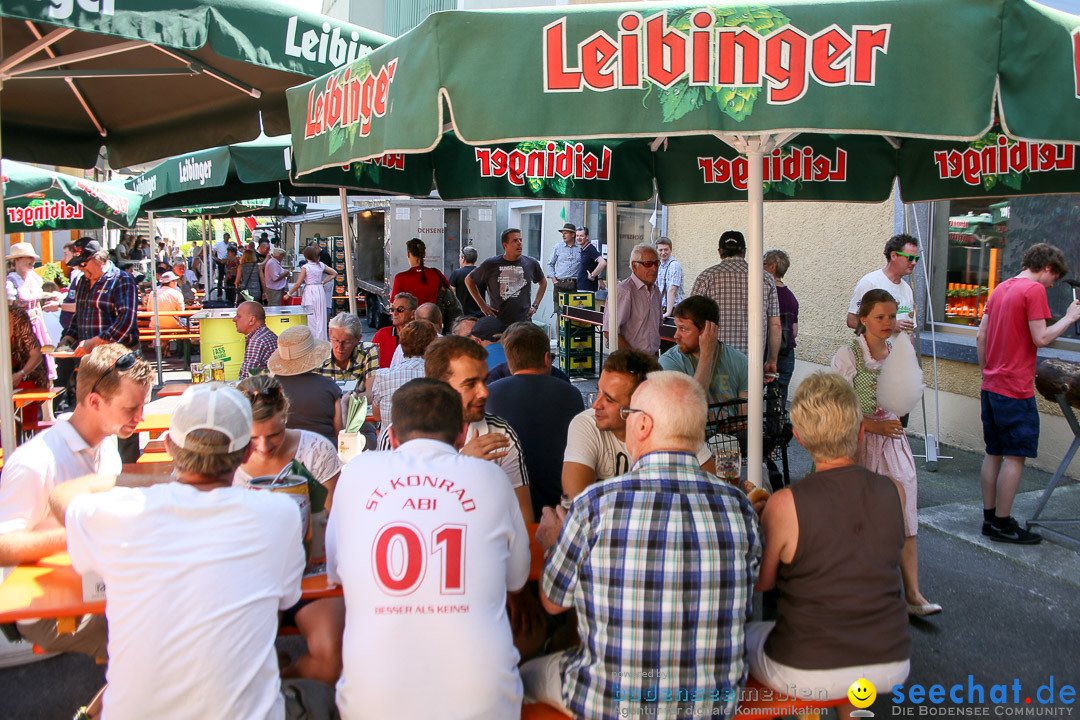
point(1013, 533)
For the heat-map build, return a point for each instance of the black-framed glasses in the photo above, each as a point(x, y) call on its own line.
point(626, 412)
point(909, 256)
point(123, 364)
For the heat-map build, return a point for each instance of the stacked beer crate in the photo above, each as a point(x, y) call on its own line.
point(579, 342)
point(336, 247)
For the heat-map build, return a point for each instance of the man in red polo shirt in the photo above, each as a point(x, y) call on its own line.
point(1013, 328)
point(402, 310)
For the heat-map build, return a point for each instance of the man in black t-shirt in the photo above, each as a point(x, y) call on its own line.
point(592, 264)
point(508, 280)
point(467, 262)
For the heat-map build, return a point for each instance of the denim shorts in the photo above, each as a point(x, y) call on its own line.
point(1010, 425)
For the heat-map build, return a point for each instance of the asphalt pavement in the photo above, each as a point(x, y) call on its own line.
point(1011, 614)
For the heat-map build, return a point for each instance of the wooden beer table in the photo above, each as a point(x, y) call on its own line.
point(50, 588)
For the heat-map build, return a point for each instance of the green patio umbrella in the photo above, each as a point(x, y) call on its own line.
point(282, 205)
point(150, 78)
point(756, 78)
point(132, 75)
point(36, 199)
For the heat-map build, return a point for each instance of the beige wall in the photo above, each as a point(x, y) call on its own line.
point(831, 246)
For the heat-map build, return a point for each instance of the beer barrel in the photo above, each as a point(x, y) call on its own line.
point(1054, 377)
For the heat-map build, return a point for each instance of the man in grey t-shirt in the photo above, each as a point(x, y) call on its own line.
point(508, 279)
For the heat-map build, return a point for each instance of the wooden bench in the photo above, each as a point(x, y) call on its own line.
point(182, 335)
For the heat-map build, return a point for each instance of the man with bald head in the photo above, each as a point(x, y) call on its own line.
point(666, 549)
point(260, 341)
point(429, 312)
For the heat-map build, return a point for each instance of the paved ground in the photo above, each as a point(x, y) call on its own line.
point(1011, 613)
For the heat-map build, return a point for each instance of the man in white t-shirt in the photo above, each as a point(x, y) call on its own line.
point(113, 386)
point(426, 544)
point(196, 571)
point(596, 439)
point(462, 364)
point(901, 253)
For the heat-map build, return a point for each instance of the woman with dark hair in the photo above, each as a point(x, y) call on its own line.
point(232, 268)
point(419, 281)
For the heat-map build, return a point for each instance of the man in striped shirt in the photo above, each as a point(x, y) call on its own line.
point(659, 564)
point(105, 302)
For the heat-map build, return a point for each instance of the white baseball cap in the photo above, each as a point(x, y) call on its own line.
point(212, 406)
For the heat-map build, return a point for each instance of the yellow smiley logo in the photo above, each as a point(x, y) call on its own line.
point(862, 693)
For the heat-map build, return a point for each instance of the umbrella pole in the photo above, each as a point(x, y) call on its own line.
point(7, 406)
point(153, 300)
point(205, 263)
point(347, 236)
point(612, 278)
point(755, 308)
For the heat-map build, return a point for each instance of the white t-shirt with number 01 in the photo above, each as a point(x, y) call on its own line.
point(426, 543)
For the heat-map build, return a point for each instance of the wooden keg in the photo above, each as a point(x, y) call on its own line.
point(1054, 377)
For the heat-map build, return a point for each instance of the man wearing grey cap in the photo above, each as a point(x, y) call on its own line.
point(565, 261)
point(196, 571)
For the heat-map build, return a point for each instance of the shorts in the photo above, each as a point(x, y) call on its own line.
point(288, 616)
point(832, 683)
point(1010, 425)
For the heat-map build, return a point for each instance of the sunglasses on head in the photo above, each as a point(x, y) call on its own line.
point(912, 258)
point(123, 364)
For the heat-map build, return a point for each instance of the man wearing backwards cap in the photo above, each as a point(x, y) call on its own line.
point(196, 571)
point(105, 302)
point(487, 332)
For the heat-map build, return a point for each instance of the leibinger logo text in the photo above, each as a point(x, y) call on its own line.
point(1050, 699)
point(62, 9)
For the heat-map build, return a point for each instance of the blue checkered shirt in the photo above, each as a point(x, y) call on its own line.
point(260, 344)
point(660, 565)
point(106, 309)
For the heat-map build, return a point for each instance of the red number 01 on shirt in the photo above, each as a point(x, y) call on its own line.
point(399, 558)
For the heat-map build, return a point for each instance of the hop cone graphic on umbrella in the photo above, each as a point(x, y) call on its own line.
point(736, 102)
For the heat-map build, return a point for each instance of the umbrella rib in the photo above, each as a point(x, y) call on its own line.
point(71, 83)
point(211, 71)
point(78, 57)
point(42, 43)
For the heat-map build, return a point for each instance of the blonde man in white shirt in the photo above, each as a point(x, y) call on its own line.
point(113, 386)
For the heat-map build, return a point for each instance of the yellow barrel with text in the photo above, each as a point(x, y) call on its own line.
point(219, 341)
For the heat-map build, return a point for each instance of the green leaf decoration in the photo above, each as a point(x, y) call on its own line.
point(680, 99)
point(535, 184)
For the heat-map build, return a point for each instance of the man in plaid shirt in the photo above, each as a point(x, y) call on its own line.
point(350, 359)
point(105, 302)
point(726, 284)
point(659, 564)
point(260, 342)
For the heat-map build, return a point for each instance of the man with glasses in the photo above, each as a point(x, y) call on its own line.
point(105, 302)
point(726, 283)
point(596, 440)
point(113, 385)
point(901, 255)
point(639, 303)
point(402, 311)
point(659, 564)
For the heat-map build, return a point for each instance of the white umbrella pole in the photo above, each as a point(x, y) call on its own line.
point(153, 299)
point(755, 310)
point(7, 405)
point(205, 262)
point(612, 277)
point(347, 238)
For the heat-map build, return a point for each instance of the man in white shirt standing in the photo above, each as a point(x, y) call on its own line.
point(669, 279)
point(274, 278)
point(220, 255)
point(901, 255)
point(196, 571)
point(426, 544)
point(113, 386)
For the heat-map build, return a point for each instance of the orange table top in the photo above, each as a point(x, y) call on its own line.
point(50, 588)
point(154, 423)
point(153, 457)
point(25, 397)
point(173, 389)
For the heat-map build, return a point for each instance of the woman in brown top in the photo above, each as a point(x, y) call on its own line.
point(833, 543)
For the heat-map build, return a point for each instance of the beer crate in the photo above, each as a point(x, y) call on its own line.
point(581, 365)
point(578, 299)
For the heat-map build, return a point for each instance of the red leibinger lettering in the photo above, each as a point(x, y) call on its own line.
point(119, 203)
point(571, 162)
point(347, 100)
point(421, 481)
point(650, 50)
point(802, 164)
point(47, 211)
point(1007, 156)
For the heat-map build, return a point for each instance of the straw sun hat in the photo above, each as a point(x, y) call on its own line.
point(298, 352)
point(21, 250)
